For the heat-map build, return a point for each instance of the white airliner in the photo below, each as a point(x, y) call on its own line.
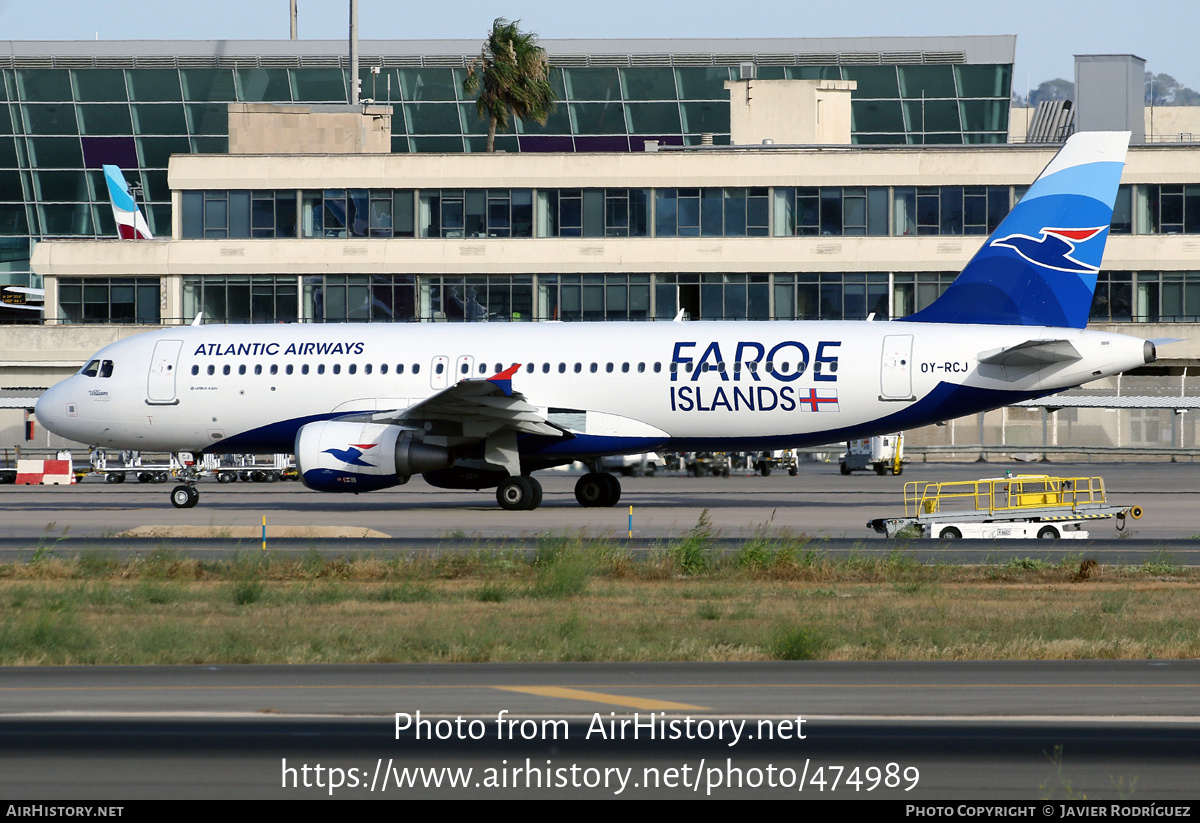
point(481, 405)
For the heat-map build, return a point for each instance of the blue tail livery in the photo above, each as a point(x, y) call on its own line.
point(1039, 267)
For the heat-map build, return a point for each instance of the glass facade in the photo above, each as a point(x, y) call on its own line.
point(64, 116)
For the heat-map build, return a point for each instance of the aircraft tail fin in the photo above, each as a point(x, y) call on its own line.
point(1039, 267)
point(131, 223)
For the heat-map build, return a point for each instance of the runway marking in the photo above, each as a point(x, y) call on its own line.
point(599, 697)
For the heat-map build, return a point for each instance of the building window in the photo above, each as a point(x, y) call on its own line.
point(913, 292)
point(476, 213)
point(342, 298)
point(949, 210)
point(831, 210)
point(594, 297)
point(593, 212)
point(241, 298)
point(711, 212)
point(476, 298)
point(1113, 299)
point(811, 296)
point(109, 299)
point(1168, 209)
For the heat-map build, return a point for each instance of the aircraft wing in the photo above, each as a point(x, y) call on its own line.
point(481, 407)
point(1031, 353)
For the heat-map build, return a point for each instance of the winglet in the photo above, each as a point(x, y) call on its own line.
point(504, 379)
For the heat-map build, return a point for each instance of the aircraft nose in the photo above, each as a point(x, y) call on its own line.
point(54, 407)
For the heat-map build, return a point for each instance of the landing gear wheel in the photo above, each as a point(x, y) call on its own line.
point(597, 489)
point(950, 533)
point(1048, 533)
point(515, 494)
point(184, 497)
point(537, 492)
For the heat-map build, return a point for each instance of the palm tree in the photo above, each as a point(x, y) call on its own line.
point(511, 76)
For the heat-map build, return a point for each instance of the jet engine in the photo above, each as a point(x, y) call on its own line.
point(343, 456)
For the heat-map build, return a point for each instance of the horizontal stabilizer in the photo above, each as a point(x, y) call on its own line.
point(1032, 353)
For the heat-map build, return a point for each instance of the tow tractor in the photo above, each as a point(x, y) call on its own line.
point(1021, 506)
point(884, 453)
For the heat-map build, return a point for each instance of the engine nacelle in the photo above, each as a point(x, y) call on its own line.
point(341, 456)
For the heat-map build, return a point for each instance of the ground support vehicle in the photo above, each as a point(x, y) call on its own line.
point(249, 468)
point(701, 463)
point(130, 463)
point(884, 453)
point(782, 459)
point(631, 465)
point(1021, 506)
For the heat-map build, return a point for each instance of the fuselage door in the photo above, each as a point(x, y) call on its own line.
point(895, 382)
point(160, 385)
point(439, 372)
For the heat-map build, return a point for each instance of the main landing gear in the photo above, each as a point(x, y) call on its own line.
point(519, 493)
point(598, 489)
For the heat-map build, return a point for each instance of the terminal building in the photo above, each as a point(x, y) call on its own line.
point(745, 180)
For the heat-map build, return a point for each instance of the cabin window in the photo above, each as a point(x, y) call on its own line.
point(625, 368)
point(242, 369)
point(212, 369)
point(320, 368)
point(337, 368)
point(463, 368)
point(416, 369)
point(274, 368)
point(225, 370)
point(195, 369)
point(704, 367)
point(304, 369)
point(106, 367)
point(91, 369)
point(440, 368)
point(366, 369)
point(546, 368)
point(529, 368)
point(578, 368)
point(608, 367)
point(258, 368)
point(594, 368)
point(289, 368)
point(399, 368)
point(657, 368)
point(353, 368)
point(499, 368)
point(641, 367)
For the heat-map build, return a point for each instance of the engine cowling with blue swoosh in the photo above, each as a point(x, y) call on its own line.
point(343, 456)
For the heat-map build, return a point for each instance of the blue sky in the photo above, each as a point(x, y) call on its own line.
point(1048, 32)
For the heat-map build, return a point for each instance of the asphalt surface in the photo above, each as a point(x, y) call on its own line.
point(818, 502)
point(918, 731)
point(954, 731)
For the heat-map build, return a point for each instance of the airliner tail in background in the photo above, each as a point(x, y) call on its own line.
point(131, 223)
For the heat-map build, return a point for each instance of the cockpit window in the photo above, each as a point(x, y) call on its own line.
point(91, 368)
point(106, 368)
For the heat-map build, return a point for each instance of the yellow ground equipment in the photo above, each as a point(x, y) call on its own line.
point(1026, 505)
